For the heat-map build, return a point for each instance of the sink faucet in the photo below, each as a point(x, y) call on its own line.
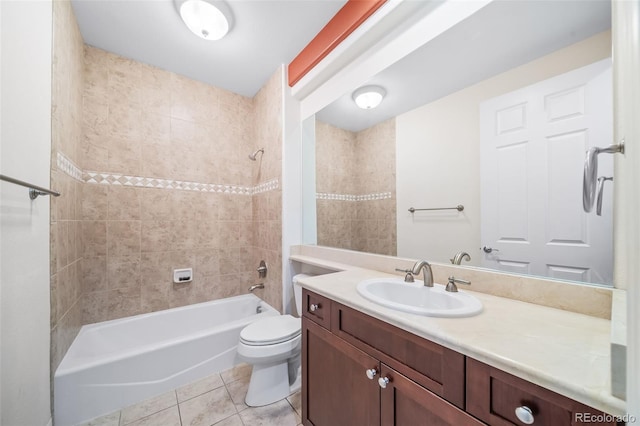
point(459, 257)
point(451, 285)
point(424, 267)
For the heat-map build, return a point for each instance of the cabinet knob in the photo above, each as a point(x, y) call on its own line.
point(314, 307)
point(524, 414)
point(383, 382)
point(371, 373)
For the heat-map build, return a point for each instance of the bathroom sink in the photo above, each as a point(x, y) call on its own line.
point(415, 298)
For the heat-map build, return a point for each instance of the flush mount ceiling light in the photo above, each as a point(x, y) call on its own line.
point(208, 19)
point(368, 97)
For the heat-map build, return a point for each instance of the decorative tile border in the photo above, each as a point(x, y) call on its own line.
point(269, 185)
point(145, 182)
point(100, 178)
point(351, 197)
point(64, 164)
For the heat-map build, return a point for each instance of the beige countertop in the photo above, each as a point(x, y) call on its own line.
point(566, 352)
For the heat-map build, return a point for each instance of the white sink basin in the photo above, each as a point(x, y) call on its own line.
point(415, 298)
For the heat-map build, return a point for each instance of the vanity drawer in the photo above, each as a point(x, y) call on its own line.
point(434, 367)
point(493, 396)
point(317, 308)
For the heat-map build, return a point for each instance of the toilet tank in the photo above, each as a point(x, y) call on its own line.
point(297, 291)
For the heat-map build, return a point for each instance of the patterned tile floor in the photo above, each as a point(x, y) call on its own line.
point(215, 400)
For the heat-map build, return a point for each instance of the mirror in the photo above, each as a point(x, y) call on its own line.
point(493, 115)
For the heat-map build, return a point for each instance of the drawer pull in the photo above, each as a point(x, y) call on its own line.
point(383, 382)
point(314, 307)
point(371, 373)
point(525, 415)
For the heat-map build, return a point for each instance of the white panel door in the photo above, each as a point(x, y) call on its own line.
point(533, 144)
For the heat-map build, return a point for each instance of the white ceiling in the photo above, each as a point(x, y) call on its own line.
point(501, 36)
point(265, 34)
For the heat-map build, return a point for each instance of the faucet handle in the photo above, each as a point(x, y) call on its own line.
point(408, 278)
point(451, 285)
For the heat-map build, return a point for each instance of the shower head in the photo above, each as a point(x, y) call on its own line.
point(252, 157)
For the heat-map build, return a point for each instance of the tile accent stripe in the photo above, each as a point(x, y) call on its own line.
point(269, 185)
point(351, 197)
point(144, 182)
point(64, 164)
point(67, 166)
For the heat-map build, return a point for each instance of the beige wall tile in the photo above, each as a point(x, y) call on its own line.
point(156, 236)
point(123, 238)
point(123, 272)
point(157, 204)
point(94, 238)
point(124, 302)
point(207, 263)
point(95, 156)
point(123, 203)
point(95, 307)
point(94, 202)
point(168, 126)
point(94, 274)
point(124, 155)
point(66, 232)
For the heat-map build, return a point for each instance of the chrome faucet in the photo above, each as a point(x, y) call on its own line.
point(253, 287)
point(407, 278)
point(459, 257)
point(424, 267)
point(451, 285)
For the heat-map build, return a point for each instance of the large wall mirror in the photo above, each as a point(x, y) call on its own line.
point(494, 115)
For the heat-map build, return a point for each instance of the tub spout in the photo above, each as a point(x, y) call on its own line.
point(253, 287)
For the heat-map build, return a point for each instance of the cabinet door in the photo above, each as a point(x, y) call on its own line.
point(439, 369)
point(494, 396)
point(405, 403)
point(335, 388)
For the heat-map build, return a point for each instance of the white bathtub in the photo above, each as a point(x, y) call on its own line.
point(113, 364)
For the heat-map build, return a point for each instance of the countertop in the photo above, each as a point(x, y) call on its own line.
point(562, 351)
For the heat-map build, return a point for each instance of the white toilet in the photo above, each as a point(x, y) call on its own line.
point(273, 346)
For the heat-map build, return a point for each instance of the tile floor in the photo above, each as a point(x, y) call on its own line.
point(215, 400)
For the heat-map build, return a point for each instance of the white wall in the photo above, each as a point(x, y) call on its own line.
point(438, 156)
point(25, 150)
point(626, 46)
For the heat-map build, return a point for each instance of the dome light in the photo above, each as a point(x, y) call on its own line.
point(204, 18)
point(368, 97)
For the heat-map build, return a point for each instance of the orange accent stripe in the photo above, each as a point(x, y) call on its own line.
point(352, 14)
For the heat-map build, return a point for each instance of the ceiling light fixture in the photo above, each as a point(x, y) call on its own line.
point(368, 97)
point(208, 19)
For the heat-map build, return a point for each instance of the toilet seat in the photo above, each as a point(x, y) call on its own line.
point(271, 331)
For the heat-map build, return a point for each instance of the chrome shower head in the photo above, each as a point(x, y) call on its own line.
point(252, 157)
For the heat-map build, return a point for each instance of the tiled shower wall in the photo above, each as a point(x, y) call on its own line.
point(154, 174)
point(267, 206)
point(66, 230)
point(335, 174)
point(355, 183)
point(142, 123)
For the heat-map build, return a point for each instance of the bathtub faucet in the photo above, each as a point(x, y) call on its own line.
point(253, 287)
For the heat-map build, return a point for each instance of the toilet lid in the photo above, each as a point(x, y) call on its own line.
point(271, 330)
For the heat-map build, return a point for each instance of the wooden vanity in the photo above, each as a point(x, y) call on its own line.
point(362, 371)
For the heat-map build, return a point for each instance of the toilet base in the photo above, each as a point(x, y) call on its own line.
point(269, 383)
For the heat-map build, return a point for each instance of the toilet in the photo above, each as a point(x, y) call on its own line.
point(272, 345)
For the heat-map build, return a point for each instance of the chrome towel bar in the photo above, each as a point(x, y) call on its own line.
point(34, 190)
point(459, 207)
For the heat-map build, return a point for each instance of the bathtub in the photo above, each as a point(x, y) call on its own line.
point(113, 364)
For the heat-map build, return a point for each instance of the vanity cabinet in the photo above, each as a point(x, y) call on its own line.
point(358, 370)
point(338, 392)
point(346, 353)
